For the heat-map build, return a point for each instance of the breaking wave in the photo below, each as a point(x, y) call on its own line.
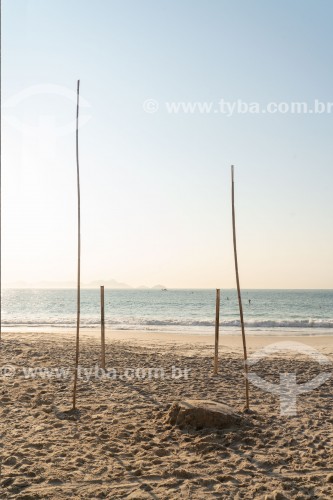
point(136, 323)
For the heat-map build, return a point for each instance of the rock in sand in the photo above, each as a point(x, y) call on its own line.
point(200, 414)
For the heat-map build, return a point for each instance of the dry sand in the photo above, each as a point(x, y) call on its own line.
point(118, 445)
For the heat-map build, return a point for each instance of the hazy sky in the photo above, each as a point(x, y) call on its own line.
point(155, 186)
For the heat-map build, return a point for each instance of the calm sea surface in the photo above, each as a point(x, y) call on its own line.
point(301, 312)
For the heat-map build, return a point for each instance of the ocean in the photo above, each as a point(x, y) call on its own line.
point(294, 312)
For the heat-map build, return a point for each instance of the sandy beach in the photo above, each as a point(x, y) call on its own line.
point(119, 444)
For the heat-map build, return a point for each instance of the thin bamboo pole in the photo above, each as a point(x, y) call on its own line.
point(77, 351)
point(217, 331)
point(102, 330)
point(0, 202)
point(238, 289)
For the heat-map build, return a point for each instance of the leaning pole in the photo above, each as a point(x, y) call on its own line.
point(239, 290)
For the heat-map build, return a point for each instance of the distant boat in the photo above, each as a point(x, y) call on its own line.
point(164, 290)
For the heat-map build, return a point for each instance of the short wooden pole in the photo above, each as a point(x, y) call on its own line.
point(102, 330)
point(217, 331)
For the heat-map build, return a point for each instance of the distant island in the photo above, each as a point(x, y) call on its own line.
point(111, 283)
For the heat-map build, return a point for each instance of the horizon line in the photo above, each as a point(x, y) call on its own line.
point(142, 287)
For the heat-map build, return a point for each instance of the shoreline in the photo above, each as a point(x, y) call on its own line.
point(271, 332)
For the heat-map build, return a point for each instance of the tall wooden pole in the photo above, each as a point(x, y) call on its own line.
point(77, 352)
point(217, 329)
point(0, 192)
point(102, 330)
point(238, 289)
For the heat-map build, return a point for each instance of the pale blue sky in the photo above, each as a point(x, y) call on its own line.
point(156, 187)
